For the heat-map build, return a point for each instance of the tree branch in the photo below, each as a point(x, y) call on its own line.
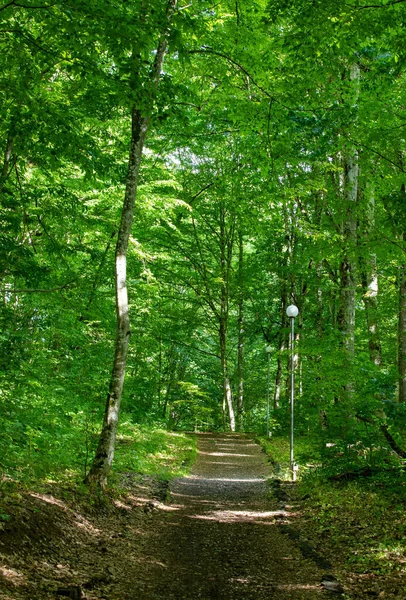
point(6, 5)
point(208, 50)
point(206, 187)
point(385, 430)
point(380, 155)
point(392, 442)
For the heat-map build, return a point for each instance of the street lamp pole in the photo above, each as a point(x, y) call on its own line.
point(292, 311)
point(268, 351)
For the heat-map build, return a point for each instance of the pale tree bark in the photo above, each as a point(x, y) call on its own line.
point(228, 409)
point(291, 228)
point(346, 316)
point(240, 355)
point(287, 253)
point(226, 251)
point(139, 126)
point(172, 364)
point(402, 327)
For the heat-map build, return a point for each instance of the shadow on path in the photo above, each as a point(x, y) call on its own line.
point(220, 537)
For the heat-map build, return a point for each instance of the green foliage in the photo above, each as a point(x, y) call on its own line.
point(307, 454)
point(147, 450)
point(254, 115)
point(60, 448)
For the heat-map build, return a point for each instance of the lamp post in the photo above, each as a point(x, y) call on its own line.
point(268, 351)
point(292, 311)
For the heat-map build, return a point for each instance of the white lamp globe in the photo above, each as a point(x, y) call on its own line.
point(292, 311)
point(268, 349)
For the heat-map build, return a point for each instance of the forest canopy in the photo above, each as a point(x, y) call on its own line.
point(173, 176)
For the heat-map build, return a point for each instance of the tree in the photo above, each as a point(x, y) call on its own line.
point(140, 119)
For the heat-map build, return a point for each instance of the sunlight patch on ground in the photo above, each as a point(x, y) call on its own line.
point(120, 504)
point(227, 446)
point(220, 462)
point(12, 576)
point(233, 516)
point(291, 587)
point(232, 479)
point(88, 527)
point(139, 501)
point(196, 499)
point(80, 520)
point(223, 454)
point(51, 500)
point(172, 508)
point(240, 580)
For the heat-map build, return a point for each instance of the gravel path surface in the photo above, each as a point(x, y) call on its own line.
point(219, 537)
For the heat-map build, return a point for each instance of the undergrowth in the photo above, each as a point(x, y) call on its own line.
point(360, 522)
point(307, 454)
point(144, 449)
point(65, 456)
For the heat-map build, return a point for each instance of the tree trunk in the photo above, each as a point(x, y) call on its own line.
point(346, 316)
point(227, 393)
point(105, 451)
point(282, 346)
point(240, 357)
point(402, 330)
point(226, 240)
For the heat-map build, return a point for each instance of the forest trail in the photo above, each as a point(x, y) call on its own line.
point(222, 534)
point(222, 538)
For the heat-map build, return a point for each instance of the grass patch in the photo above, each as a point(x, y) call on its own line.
point(150, 451)
point(307, 454)
point(61, 453)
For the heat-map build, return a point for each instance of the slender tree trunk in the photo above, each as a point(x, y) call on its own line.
point(172, 366)
point(346, 316)
point(139, 126)
point(159, 379)
point(319, 269)
point(282, 347)
point(402, 330)
point(105, 451)
point(370, 296)
point(240, 357)
point(226, 249)
point(228, 408)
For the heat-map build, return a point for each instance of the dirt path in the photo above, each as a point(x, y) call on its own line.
point(219, 537)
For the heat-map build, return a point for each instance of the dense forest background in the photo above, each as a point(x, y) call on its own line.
point(267, 167)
